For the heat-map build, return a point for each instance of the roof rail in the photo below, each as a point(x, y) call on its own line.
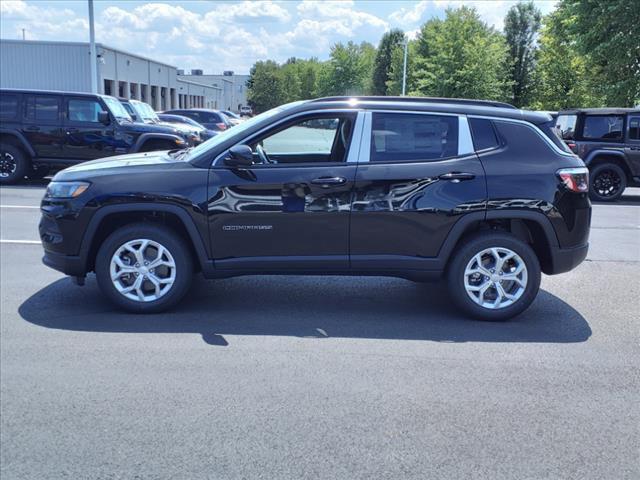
point(459, 101)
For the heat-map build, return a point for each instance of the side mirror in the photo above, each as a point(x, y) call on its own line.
point(239, 156)
point(103, 117)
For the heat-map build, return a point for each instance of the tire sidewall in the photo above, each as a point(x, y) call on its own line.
point(594, 174)
point(174, 244)
point(455, 275)
point(22, 164)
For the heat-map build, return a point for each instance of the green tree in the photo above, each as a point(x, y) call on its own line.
point(461, 56)
point(309, 78)
point(394, 84)
point(290, 75)
point(521, 25)
point(607, 33)
point(265, 86)
point(347, 70)
point(390, 42)
point(367, 58)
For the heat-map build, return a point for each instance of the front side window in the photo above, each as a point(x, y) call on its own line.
point(312, 140)
point(8, 105)
point(399, 137)
point(634, 128)
point(116, 108)
point(603, 127)
point(81, 110)
point(41, 108)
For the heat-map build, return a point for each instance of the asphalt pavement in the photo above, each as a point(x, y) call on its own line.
point(319, 377)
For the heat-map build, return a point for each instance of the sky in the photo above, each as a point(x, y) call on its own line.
point(221, 35)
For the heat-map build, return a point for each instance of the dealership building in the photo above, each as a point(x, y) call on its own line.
point(66, 66)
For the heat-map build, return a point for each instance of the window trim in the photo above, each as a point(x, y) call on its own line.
point(465, 142)
point(68, 121)
point(351, 157)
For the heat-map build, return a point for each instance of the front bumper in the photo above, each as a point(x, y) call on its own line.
point(67, 264)
point(565, 259)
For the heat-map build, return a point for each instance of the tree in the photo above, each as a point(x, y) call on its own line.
point(290, 74)
point(390, 42)
point(347, 70)
point(521, 25)
point(367, 58)
point(461, 56)
point(394, 84)
point(608, 35)
point(265, 86)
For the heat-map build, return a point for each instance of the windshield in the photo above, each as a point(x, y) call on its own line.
point(238, 129)
point(145, 112)
point(116, 108)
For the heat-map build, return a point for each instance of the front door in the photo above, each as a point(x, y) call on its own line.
point(85, 137)
point(290, 210)
point(421, 175)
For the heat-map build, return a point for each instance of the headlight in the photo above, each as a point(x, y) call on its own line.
point(66, 189)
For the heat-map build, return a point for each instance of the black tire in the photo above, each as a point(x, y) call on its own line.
point(607, 182)
point(157, 146)
point(470, 248)
point(14, 164)
point(169, 240)
point(39, 172)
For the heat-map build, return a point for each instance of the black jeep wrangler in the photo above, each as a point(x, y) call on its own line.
point(608, 140)
point(44, 130)
point(486, 195)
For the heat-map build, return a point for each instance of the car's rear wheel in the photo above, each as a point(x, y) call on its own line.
point(14, 164)
point(144, 268)
point(608, 182)
point(494, 276)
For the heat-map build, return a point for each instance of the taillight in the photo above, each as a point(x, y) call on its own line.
point(221, 125)
point(573, 147)
point(575, 179)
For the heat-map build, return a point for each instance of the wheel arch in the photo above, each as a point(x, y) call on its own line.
point(150, 137)
point(599, 157)
point(16, 139)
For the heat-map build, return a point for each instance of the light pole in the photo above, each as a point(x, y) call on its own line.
point(92, 51)
point(404, 67)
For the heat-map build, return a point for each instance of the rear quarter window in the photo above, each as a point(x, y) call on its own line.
point(9, 106)
point(483, 133)
point(603, 127)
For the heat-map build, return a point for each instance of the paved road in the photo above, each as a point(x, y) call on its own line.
point(295, 377)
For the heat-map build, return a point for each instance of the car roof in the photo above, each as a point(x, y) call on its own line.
point(193, 110)
point(600, 111)
point(52, 92)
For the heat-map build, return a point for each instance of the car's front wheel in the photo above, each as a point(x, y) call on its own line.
point(494, 276)
point(144, 268)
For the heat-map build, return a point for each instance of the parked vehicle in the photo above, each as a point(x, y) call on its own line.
point(246, 111)
point(143, 112)
point(486, 196)
point(41, 130)
point(608, 140)
point(234, 118)
point(211, 119)
point(205, 134)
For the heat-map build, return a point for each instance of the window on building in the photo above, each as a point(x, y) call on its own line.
point(42, 108)
point(8, 106)
point(603, 127)
point(398, 137)
point(83, 110)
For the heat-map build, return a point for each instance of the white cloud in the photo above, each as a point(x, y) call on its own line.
point(409, 15)
point(250, 11)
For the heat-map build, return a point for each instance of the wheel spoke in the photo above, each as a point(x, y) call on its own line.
point(156, 283)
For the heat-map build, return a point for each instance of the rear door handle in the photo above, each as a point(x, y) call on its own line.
point(326, 181)
point(457, 176)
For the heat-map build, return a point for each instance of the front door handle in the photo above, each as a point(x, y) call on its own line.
point(457, 176)
point(325, 182)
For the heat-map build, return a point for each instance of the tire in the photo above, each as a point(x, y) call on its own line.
point(607, 182)
point(176, 252)
point(39, 172)
point(14, 164)
point(503, 243)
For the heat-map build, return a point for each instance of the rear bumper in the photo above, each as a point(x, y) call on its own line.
point(67, 264)
point(565, 259)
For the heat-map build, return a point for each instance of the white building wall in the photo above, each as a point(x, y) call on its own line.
point(234, 88)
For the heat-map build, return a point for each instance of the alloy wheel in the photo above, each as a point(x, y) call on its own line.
point(8, 164)
point(142, 270)
point(495, 278)
point(607, 183)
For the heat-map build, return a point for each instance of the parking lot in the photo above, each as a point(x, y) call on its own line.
point(320, 377)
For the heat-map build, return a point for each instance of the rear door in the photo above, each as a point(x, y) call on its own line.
point(85, 137)
point(633, 143)
point(420, 176)
point(42, 124)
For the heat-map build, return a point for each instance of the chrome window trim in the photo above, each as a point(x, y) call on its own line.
point(248, 139)
point(533, 127)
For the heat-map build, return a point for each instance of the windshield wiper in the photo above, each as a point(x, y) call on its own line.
point(179, 154)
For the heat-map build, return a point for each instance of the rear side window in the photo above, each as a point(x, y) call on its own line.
point(8, 106)
point(603, 127)
point(634, 128)
point(399, 137)
point(484, 135)
point(42, 108)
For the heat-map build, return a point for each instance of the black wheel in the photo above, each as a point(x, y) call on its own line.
point(493, 276)
point(38, 172)
point(607, 182)
point(144, 268)
point(14, 164)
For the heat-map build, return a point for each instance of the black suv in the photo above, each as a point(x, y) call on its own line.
point(487, 195)
point(44, 129)
point(608, 140)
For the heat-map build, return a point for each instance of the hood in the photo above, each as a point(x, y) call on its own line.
point(149, 128)
point(183, 127)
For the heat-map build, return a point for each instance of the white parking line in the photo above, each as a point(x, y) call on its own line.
point(21, 242)
point(19, 206)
